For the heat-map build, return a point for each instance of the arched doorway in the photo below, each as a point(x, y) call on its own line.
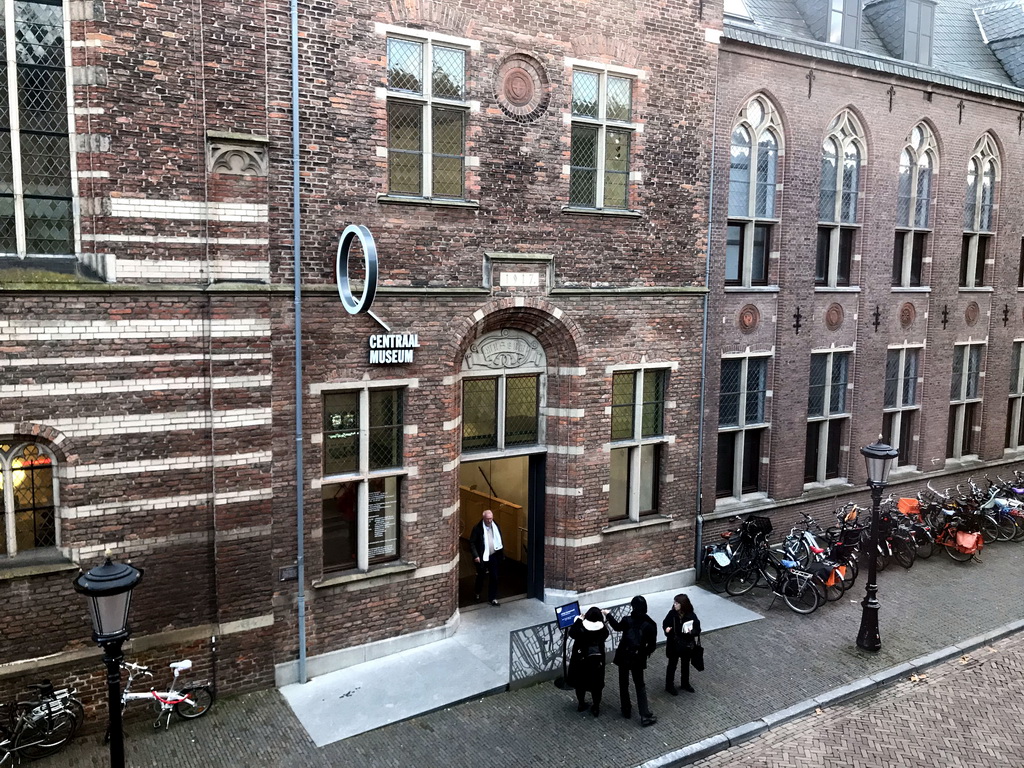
point(504, 389)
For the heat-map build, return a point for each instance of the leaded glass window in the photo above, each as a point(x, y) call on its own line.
point(742, 423)
point(500, 412)
point(601, 135)
point(827, 416)
point(979, 206)
point(36, 210)
point(963, 435)
point(28, 506)
point(901, 408)
point(638, 438)
point(842, 156)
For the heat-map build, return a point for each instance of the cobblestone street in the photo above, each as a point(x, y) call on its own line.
point(753, 670)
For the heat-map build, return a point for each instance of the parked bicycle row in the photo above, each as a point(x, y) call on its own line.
point(813, 565)
point(42, 726)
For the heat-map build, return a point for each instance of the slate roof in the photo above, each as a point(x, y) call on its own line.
point(960, 56)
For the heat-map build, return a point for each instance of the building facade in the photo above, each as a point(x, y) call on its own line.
point(866, 266)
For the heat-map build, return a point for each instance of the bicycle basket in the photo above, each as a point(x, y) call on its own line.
point(754, 525)
point(910, 507)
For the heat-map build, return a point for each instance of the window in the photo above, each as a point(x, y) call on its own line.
point(602, 110)
point(827, 415)
point(427, 106)
point(638, 438)
point(1020, 266)
point(1014, 418)
point(28, 509)
point(36, 211)
point(917, 38)
point(844, 22)
point(361, 489)
point(753, 183)
point(964, 402)
point(979, 205)
point(841, 161)
point(913, 206)
point(742, 425)
point(899, 418)
point(500, 412)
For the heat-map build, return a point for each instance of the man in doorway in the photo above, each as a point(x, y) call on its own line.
point(485, 546)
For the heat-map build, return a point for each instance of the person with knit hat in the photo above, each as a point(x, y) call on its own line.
point(586, 665)
point(639, 639)
point(682, 627)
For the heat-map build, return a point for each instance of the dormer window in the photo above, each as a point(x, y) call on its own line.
point(917, 35)
point(844, 22)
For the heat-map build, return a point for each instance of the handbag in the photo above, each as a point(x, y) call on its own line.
point(697, 656)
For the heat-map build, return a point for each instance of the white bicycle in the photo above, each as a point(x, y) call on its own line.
point(188, 703)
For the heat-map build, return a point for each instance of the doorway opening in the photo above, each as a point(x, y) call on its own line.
point(513, 489)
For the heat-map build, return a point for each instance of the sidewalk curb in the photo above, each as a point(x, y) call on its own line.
point(709, 746)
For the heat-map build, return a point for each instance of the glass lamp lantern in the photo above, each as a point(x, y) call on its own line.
point(878, 457)
point(109, 590)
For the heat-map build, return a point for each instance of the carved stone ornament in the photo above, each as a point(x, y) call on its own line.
point(237, 157)
point(834, 317)
point(749, 318)
point(908, 314)
point(521, 88)
point(972, 313)
point(505, 349)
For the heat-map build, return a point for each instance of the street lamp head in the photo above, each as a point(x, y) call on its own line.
point(878, 457)
point(109, 589)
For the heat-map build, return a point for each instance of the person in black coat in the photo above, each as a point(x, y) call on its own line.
point(586, 665)
point(486, 547)
point(682, 628)
point(639, 639)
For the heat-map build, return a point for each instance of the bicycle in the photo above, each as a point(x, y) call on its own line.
point(187, 703)
point(796, 587)
point(36, 729)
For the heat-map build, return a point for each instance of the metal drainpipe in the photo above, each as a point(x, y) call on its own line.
point(699, 538)
point(296, 245)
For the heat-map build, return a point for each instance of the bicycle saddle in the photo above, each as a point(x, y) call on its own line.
point(181, 666)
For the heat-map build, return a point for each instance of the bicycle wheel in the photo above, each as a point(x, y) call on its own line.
point(925, 545)
point(1006, 527)
point(956, 554)
point(799, 594)
point(742, 581)
point(836, 590)
point(1018, 528)
point(201, 700)
point(903, 552)
point(716, 574)
point(46, 735)
point(989, 530)
point(882, 560)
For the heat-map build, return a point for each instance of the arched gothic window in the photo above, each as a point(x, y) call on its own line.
point(842, 157)
point(982, 175)
point(913, 206)
point(753, 185)
point(28, 504)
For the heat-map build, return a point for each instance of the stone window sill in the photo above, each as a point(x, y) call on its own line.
point(376, 572)
point(976, 289)
point(648, 521)
point(837, 289)
point(751, 289)
point(35, 563)
point(602, 212)
point(436, 202)
point(911, 289)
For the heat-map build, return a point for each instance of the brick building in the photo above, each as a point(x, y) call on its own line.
point(536, 182)
point(866, 267)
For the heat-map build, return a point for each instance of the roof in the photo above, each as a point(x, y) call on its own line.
point(961, 57)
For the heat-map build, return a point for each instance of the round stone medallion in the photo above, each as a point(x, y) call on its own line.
point(972, 313)
point(749, 318)
point(521, 87)
point(907, 315)
point(834, 317)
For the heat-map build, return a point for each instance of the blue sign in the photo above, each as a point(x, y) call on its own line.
point(566, 614)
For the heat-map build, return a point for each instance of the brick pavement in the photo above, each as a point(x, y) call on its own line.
point(753, 670)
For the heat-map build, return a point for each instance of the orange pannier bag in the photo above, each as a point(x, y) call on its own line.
point(910, 507)
point(968, 543)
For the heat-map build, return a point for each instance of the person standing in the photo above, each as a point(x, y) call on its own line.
point(486, 548)
point(682, 628)
point(586, 665)
point(639, 639)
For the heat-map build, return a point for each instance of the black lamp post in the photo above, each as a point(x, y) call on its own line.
point(879, 458)
point(109, 589)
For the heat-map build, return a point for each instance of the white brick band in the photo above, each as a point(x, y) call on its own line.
point(162, 422)
point(97, 330)
point(150, 208)
point(70, 388)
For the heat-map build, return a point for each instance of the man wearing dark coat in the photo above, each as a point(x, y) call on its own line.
point(639, 639)
point(486, 547)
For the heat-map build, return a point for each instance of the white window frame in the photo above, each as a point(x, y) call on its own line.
point(17, 178)
point(603, 124)
point(635, 443)
point(364, 474)
point(9, 522)
point(844, 132)
point(1016, 404)
point(901, 408)
point(743, 426)
point(749, 220)
point(961, 401)
point(831, 420)
point(976, 224)
point(427, 102)
point(919, 149)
